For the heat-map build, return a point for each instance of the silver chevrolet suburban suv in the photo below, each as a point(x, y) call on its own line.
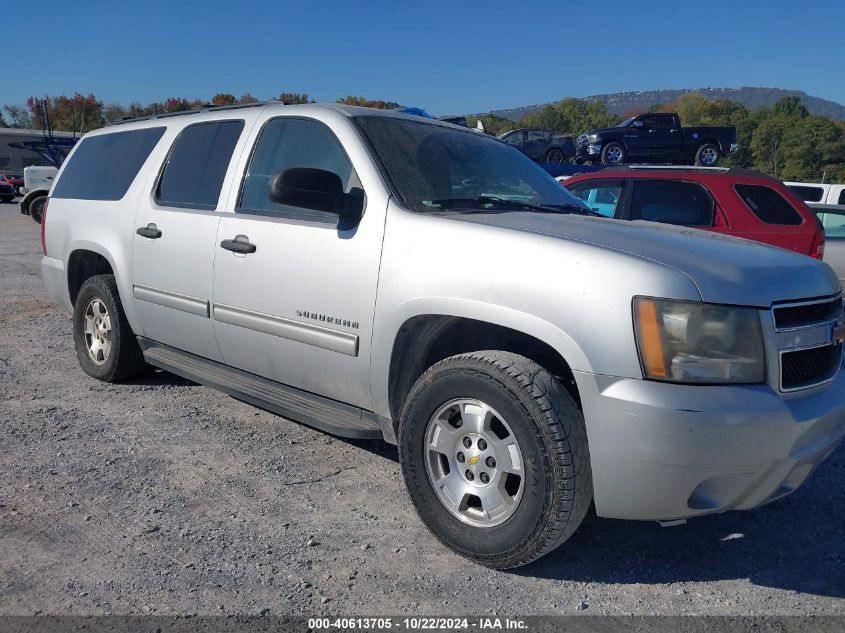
point(378, 275)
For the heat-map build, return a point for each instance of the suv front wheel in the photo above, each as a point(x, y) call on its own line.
point(494, 453)
point(106, 347)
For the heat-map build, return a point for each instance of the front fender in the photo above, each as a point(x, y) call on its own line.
point(387, 329)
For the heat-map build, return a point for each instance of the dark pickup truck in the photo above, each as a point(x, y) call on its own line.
point(656, 138)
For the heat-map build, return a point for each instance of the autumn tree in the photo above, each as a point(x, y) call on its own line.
point(247, 98)
point(368, 103)
point(223, 98)
point(80, 113)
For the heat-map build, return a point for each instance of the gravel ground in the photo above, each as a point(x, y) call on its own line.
point(161, 496)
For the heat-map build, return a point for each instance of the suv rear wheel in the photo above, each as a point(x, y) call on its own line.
point(106, 347)
point(494, 453)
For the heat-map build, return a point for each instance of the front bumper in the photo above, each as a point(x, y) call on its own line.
point(663, 451)
point(587, 151)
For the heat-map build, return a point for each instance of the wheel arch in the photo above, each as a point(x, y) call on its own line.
point(30, 196)
point(428, 337)
point(82, 264)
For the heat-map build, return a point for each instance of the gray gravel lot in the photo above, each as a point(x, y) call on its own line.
point(161, 496)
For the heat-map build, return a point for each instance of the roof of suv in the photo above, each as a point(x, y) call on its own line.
point(350, 110)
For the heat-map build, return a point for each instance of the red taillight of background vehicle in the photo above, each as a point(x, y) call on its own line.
point(44, 226)
point(817, 248)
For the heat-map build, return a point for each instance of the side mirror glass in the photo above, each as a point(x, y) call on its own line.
point(316, 189)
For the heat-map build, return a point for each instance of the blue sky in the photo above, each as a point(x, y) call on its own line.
point(448, 57)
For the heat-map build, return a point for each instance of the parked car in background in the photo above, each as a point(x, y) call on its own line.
point(37, 183)
point(15, 180)
point(818, 192)
point(733, 201)
point(543, 146)
point(7, 192)
point(656, 138)
point(832, 217)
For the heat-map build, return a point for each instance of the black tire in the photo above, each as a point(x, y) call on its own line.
point(36, 208)
point(555, 155)
point(125, 358)
point(550, 431)
point(609, 151)
point(707, 155)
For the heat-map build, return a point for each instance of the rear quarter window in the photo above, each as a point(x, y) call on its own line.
point(104, 166)
point(808, 194)
point(768, 205)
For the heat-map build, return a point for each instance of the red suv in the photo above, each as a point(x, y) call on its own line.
point(737, 202)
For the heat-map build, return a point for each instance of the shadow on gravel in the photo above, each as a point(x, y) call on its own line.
point(159, 378)
point(794, 544)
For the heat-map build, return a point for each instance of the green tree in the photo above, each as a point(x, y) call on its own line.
point(3, 121)
point(572, 116)
point(292, 98)
point(493, 124)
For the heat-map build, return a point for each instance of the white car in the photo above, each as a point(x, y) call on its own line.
point(818, 192)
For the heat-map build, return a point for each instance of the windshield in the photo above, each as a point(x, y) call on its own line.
point(433, 167)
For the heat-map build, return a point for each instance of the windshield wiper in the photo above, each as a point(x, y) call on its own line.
point(470, 205)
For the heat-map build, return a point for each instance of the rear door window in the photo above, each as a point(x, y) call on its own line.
point(768, 205)
point(103, 167)
point(841, 197)
point(808, 194)
point(602, 196)
point(671, 202)
point(196, 166)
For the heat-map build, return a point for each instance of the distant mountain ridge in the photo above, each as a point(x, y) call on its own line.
point(751, 98)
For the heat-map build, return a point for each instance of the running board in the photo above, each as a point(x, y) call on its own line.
point(321, 413)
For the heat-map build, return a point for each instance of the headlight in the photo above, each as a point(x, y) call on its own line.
point(592, 138)
point(691, 342)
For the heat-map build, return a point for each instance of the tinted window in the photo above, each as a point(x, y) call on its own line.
point(768, 205)
point(671, 202)
point(286, 143)
point(103, 167)
point(808, 194)
point(649, 121)
point(194, 171)
point(602, 196)
point(536, 135)
point(434, 168)
point(513, 139)
point(841, 197)
point(665, 120)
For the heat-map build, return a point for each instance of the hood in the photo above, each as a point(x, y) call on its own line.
point(602, 130)
point(725, 269)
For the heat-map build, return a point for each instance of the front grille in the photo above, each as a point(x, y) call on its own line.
point(806, 367)
point(796, 316)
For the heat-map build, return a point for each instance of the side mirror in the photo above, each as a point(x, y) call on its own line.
point(637, 124)
point(317, 189)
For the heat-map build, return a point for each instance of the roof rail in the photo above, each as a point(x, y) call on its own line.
point(734, 171)
point(203, 108)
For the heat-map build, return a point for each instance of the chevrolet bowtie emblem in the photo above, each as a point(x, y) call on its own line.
point(474, 460)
